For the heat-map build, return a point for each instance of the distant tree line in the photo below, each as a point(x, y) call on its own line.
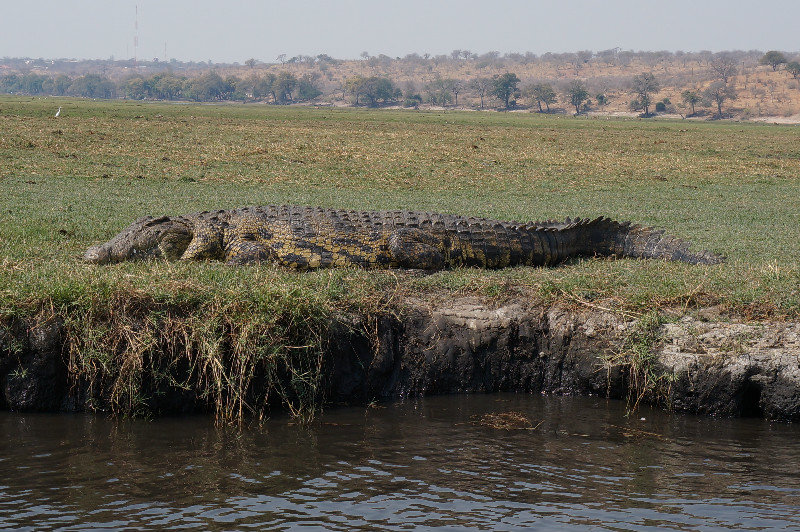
point(88, 86)
point(285, 87)
point(370, 91)
point(280, 88)
point(574, 61)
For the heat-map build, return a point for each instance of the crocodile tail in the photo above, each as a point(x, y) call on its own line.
point(624, 239)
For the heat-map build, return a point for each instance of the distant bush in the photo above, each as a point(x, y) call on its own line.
point(412, 100)
point(372, 91)
point(665, 106)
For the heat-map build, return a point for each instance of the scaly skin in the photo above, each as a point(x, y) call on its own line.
point(307, 238)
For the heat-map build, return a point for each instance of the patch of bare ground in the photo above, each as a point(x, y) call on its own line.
point(793, 119)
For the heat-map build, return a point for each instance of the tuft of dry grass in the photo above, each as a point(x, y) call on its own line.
point(637, 357)
point(505, 421)
point(237, 354)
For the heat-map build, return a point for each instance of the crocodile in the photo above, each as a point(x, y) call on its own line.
point(313, 237)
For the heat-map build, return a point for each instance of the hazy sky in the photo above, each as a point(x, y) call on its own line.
point(228, 31)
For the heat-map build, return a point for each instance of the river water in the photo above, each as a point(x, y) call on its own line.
point(428, 464)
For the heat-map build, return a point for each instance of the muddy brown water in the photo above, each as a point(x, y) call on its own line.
point(416, 464)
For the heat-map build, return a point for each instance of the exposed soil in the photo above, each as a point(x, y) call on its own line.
point(793, 119)
point(705, 364)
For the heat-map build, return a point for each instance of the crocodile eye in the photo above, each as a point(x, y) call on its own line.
point(173, 244)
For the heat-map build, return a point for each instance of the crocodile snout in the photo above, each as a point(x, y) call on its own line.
point(97, 255)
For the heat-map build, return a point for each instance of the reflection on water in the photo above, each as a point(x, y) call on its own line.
point(424, 463)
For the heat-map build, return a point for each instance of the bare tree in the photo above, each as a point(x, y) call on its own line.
point(584, 56)
point(609, 57)
point(456, 87)
point(724, 65)
point(481, 86)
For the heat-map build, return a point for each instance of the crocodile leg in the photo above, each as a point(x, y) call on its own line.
point(206, 242)
point(241, 251)
point(415, 248)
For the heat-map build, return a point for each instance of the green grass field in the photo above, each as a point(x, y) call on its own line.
point(71, 182)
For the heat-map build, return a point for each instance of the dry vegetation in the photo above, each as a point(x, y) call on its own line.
point(760, 90)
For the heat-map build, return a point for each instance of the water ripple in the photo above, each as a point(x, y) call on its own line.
point(423, 464)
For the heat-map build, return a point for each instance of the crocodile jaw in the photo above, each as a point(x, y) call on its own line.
point(146, 238)
point(97, 255)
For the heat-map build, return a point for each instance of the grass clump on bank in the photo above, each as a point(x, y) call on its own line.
point(238, 351)
point(71, 182)
point(215, 346)
point(638, 359)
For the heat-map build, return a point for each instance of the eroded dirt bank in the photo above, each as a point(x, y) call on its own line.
point(700, 363)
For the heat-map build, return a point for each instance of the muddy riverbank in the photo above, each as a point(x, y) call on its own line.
point(701, 362)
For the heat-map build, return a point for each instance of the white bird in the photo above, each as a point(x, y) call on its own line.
point(58, 112)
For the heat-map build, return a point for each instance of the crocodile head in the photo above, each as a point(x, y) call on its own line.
point(145, 238)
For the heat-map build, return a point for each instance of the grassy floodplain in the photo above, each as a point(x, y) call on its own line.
point(70, 182)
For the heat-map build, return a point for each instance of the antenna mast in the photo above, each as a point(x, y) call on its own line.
point(136, 35)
